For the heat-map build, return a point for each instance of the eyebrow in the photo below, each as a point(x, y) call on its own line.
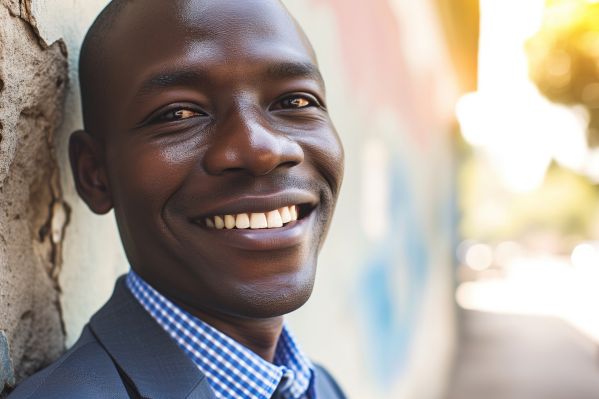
point(194, 77)
point(172, 79)
point(295, 70)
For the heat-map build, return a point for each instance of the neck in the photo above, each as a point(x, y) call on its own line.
point(259, 335)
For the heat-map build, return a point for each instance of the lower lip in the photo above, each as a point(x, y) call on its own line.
point(290, 235)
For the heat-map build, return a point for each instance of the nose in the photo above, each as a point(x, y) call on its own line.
point(245, 142)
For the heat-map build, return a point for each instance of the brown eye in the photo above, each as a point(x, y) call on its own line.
point(185, 113)
point(296, 102)
point(180, 114)
point(177, 115)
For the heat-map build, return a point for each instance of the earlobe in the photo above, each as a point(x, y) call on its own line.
point(89, 172)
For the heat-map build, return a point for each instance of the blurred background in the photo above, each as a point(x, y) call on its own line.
point(463, 261)
point(465, 243)
point(527, 259)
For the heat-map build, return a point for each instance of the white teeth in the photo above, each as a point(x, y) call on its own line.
point(242, 221)
point(258, 221)
point(274, 219)
point(229, 221)
point(285, 214)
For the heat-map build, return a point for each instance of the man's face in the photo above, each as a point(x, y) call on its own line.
point(215, 111)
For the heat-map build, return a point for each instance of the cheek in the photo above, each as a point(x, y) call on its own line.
point(334, 160)
point(328, 157)
point(150, 174)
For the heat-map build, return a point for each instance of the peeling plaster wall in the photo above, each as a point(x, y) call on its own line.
point(93, 257)
point(33, 213)
point(58, 261)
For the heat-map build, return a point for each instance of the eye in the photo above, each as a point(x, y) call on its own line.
point(177, 115)
point(296, 101)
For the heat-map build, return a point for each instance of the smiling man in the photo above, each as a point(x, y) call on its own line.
point(207, 132)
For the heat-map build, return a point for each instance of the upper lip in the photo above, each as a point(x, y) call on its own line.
point(252, 203)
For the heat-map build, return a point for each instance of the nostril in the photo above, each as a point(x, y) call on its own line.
point(256, 151)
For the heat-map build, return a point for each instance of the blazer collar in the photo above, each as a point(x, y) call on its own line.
point(144, 352)
point(152, 361)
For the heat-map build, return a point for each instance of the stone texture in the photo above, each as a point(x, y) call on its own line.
point(33, 215)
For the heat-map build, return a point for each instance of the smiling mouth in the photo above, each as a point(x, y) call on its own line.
point(273, 219)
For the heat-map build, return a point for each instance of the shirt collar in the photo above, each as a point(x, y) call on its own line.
point(232, 370)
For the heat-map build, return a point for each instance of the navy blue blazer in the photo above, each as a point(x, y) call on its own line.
point(124, 353)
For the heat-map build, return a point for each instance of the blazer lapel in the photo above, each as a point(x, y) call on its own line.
point(145, 353)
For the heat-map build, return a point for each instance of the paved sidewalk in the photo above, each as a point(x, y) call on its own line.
point(523, 357)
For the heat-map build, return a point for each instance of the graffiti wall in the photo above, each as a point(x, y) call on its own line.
point(385, 275)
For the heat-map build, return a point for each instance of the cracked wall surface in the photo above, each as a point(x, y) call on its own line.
point(33, 214)
point(58, 261)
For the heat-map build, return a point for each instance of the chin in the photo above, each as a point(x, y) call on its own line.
point(275, 299)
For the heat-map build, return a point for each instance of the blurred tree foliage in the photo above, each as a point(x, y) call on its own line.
point(564, 57)
point(565, 204)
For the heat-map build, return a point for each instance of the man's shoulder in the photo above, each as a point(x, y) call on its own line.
point(84, 371)
point(116, 357)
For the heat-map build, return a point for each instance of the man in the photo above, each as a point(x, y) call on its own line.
point(206, 130)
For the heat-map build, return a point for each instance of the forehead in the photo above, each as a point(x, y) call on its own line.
point(206, 31)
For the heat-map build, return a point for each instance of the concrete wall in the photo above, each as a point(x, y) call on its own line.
point(381, 315)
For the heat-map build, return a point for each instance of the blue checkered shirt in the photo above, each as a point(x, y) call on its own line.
point(232, 370)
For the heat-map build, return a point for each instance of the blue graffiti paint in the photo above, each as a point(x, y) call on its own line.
point(7, 376)
point(390, 322)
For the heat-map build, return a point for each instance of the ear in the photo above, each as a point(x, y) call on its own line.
point(86, 154)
